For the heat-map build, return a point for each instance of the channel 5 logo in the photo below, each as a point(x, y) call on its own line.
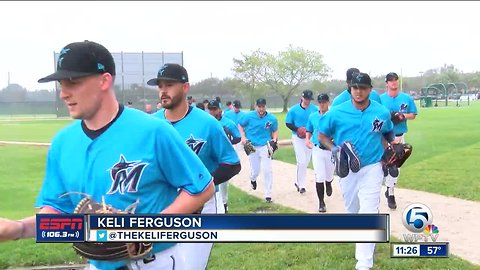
point(418, 218)
point(61, 223)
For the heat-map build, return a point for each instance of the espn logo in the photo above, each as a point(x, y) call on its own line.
point(61, 223)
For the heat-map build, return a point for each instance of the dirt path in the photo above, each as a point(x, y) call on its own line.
point(455, 218)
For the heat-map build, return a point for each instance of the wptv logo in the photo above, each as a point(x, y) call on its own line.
point(418, 219)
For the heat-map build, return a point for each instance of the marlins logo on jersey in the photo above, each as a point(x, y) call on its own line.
point(377, 125)
point(403, 108)
point(268, 125)
point(125, 175)
point(195, 144)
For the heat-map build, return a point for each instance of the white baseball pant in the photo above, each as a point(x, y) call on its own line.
point(195, 255)
point(168, 259)
point(302, 155)
point(224, 186)
point(389, 180)
point(322, 164)
point(260, 156)
point(361, 194)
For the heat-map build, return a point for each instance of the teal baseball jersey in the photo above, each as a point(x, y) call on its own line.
point(363, 129)
point(137, 157)
point(402, 103)
point(312, 126)
point(259, 129)
point(205, 136)
point(234, 116)
point(298, 116)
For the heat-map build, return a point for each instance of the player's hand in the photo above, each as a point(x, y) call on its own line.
point(309, 144)
point(244, 140)
point(9, 229)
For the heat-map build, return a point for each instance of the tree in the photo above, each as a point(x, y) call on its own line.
point(13, 93)
point(248, 70)
point(285, 73)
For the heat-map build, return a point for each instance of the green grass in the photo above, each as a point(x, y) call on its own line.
point(30, 130)
point(24, 183)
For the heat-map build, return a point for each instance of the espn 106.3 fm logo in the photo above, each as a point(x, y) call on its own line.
point(418, 219)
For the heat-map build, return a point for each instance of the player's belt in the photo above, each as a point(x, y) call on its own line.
point(320, 146)
point(146, 260)
point(398, 135)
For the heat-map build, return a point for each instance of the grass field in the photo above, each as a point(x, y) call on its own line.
point(445, 155)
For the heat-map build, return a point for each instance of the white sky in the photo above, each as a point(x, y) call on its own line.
point(376, 37)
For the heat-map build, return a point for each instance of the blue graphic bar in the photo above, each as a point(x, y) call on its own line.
point(434, 250)
point(57, 228)
point(266, 222)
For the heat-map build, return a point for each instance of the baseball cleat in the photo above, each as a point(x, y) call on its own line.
point(328, 189)
point(341, 163)
point(302, 190)
point(254, 184)
point(392, 204)
point(268, 200)
point(354, 161)
point(322, 207)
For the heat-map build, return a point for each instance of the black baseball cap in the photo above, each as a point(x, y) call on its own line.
point(307, 94)
point(81, 59)
point(189, 98)
point(213, 104)
point(361, 79)
point(392, 76)
point(261, 101)
point(350, 73)
point(237, 104)
point(323, 97)
point(170, 72)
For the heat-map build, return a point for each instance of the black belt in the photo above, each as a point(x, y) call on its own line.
point(321, 146)
point(146, 260)
point(398, 135)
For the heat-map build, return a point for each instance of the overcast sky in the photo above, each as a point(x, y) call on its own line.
point(376, 37)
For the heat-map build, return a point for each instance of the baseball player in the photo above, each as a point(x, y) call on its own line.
point(296, 120)
point(205, 137)
point(404, 106)
point(358, 128)
point(235, 116)
point(99, 155)
point(321, 157)
point(231, 130)
point(345, 95)
point(260, 127)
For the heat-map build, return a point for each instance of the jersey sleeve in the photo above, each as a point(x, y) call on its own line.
point(374, 96)
point(243, 120)
point(290, 116)
point(53, 186)
point(181, 167)
point(309, 126)
point(234, 129)
point(325, 124)
point(223, 151)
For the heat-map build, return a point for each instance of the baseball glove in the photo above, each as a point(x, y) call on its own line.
point(301, 132)
point(249, 148)
point(396, 154)
point(397, 117)
point(272, 147)
point(108, 251)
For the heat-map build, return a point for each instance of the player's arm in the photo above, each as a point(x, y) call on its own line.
point(23, 228)
point(326, 141)
point(186, 203)
point(242, 134)
point(309, 132)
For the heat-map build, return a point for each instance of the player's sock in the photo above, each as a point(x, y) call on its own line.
point(320, 191)
point(328, 188)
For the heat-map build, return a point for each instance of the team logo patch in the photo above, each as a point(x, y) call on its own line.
point(377, 125)
point(403, 107)
point(126, 175)
point(195, 144)
point(268, 125)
